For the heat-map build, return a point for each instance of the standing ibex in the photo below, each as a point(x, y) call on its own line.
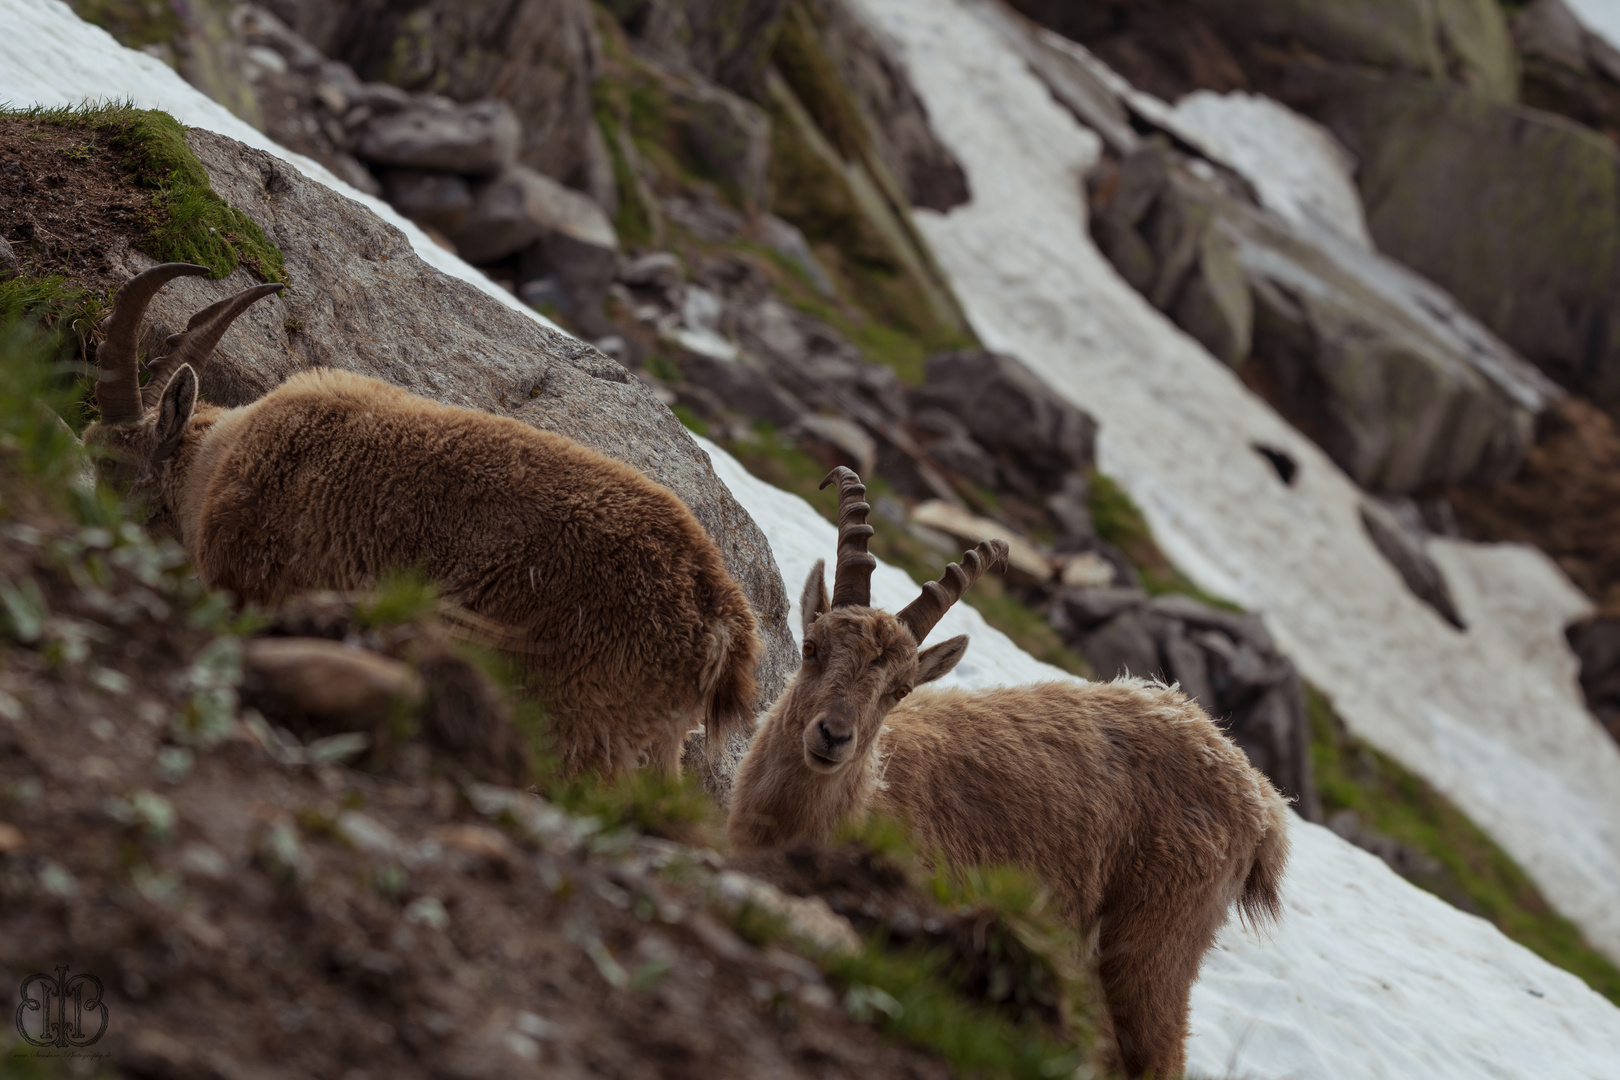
point(1124, 798)
point(604, 584)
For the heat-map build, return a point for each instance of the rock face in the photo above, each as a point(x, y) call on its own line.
point(1467, 40)
point(537, 55)
point(1530, 243)
point(363, 301)
point(1039, 437)
point(1567, 68)
point(1384, 371)
point(479, 139)
point(902, 137)
point(1597, 642)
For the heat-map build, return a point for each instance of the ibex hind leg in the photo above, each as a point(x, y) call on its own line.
point(1147, 972)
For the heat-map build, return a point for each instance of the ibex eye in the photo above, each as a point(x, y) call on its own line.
point(901, 691)
point(809, 648)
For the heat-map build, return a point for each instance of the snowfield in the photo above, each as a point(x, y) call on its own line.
point(1367, 976)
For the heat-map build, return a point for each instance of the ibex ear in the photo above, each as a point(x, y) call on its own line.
point(937, 661)
point(813, 604)
point(174, 412)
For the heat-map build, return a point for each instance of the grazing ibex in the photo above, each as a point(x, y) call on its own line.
point(1124, 798)
point(600, 581)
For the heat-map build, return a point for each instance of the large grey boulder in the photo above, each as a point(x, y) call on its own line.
point(479, 139)
point(360, 299)
point(539, 56)
point(1224, 660)
point(1039, 437)
point(520, 206)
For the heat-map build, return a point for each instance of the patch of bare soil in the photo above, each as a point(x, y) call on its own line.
point(67, 201)
point(1566, 499)
point(254, 916)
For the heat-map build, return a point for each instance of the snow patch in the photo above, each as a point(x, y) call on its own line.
point(1301, 172)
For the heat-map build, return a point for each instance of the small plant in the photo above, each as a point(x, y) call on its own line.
point(292, 325)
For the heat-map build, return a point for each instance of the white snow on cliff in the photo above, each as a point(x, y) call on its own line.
point(1177, 429)
point(1367, 976)
point(1299, 170)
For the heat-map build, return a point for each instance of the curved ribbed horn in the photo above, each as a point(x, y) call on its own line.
point(118, 385)
point(195, 344)
point(852, 576)
point(921, 615)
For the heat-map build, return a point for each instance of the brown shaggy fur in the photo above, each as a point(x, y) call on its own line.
point(1124, 798)
point(612, 594)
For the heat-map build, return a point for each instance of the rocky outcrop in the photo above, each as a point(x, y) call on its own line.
point(1515, 212)
point(1384, 371)
point(893, 118)
point(362, 300)
point(1466, 41)
point(538, 56)
point(1567, 68)
point(1596, 642)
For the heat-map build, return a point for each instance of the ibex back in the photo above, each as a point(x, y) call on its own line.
point(1144, 820)
point(598, 579)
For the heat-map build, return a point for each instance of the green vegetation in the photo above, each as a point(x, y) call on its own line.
point(186, 220)
point(1474, 873)
point(1033, 972)
point(647, 801)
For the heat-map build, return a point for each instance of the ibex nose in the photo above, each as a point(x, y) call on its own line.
point(829, 739)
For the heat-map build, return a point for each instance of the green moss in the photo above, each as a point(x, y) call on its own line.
point(401, 597)
point(909, 994)
point(186, 220)
point(1474, 873)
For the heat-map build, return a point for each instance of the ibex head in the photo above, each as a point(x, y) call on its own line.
point(141, 427)
point(860, 662)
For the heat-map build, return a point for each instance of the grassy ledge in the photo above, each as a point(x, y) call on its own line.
point(187, 221)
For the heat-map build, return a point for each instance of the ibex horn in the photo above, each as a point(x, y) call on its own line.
point(921, 615)
point(195, 344)
point(852, 577)
point(118, 385)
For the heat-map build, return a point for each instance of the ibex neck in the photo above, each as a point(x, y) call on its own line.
point(778, 798)
point(185, 475)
